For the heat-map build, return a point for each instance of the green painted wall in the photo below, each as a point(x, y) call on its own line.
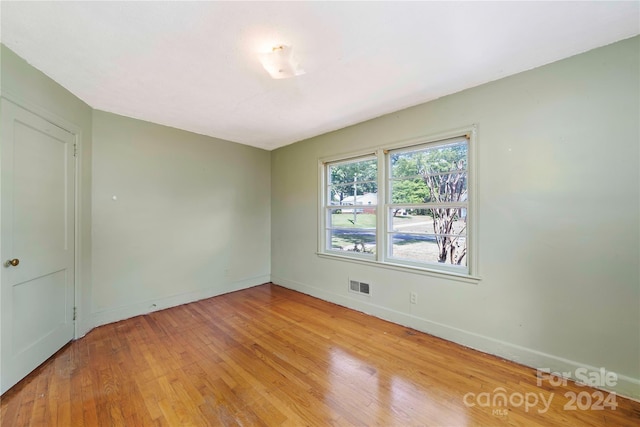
point(558, 208)
point(190, 219)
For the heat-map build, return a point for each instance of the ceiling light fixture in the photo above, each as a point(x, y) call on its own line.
point(280, 63)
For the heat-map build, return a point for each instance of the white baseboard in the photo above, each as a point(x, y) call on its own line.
point(626, 386)
point(144, 307)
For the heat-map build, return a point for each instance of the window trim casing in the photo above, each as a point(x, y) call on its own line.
point(381, 152)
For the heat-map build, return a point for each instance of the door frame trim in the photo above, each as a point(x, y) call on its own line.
point(76, 131)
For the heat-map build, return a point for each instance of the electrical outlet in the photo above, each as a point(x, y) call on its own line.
point(413, 297)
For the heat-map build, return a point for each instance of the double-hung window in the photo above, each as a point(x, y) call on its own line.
point(428, 206)
point(404, 206)
point(351, 206)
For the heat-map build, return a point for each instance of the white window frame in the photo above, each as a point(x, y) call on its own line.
point(470, 274)
point(327, 207)
point(389, 205)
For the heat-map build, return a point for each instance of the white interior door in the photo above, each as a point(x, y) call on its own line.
point(37, 230)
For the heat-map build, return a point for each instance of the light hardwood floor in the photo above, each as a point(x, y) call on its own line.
point(271, 356)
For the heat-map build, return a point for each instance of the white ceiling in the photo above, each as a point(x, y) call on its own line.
point(194, 66)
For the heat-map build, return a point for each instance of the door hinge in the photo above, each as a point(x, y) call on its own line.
point(75, 150)
point(75, 313)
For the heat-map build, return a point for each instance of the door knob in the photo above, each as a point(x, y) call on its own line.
point(12, 262)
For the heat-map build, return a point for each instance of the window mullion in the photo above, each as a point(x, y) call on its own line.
point(382, 200)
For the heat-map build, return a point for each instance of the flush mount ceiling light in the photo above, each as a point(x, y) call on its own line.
point(280, 63)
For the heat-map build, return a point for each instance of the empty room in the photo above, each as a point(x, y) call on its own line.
point(320, 213)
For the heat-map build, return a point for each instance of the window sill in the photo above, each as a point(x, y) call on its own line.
point(404, 268)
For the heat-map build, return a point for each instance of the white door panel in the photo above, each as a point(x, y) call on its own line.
point(38, 169)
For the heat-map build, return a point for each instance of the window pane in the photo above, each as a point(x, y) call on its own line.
point(352, 229)
point(434, 174)
point(447, 187)
point(411, 220)
point(352, 217)
point(353, 241)
point(432, 249)
point(407, 164)
point(409, 191)
point(350, 194)
point(449, 220)
point(432, 159)
point(347, 173)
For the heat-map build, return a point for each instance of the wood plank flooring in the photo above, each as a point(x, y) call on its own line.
point(268, 356)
